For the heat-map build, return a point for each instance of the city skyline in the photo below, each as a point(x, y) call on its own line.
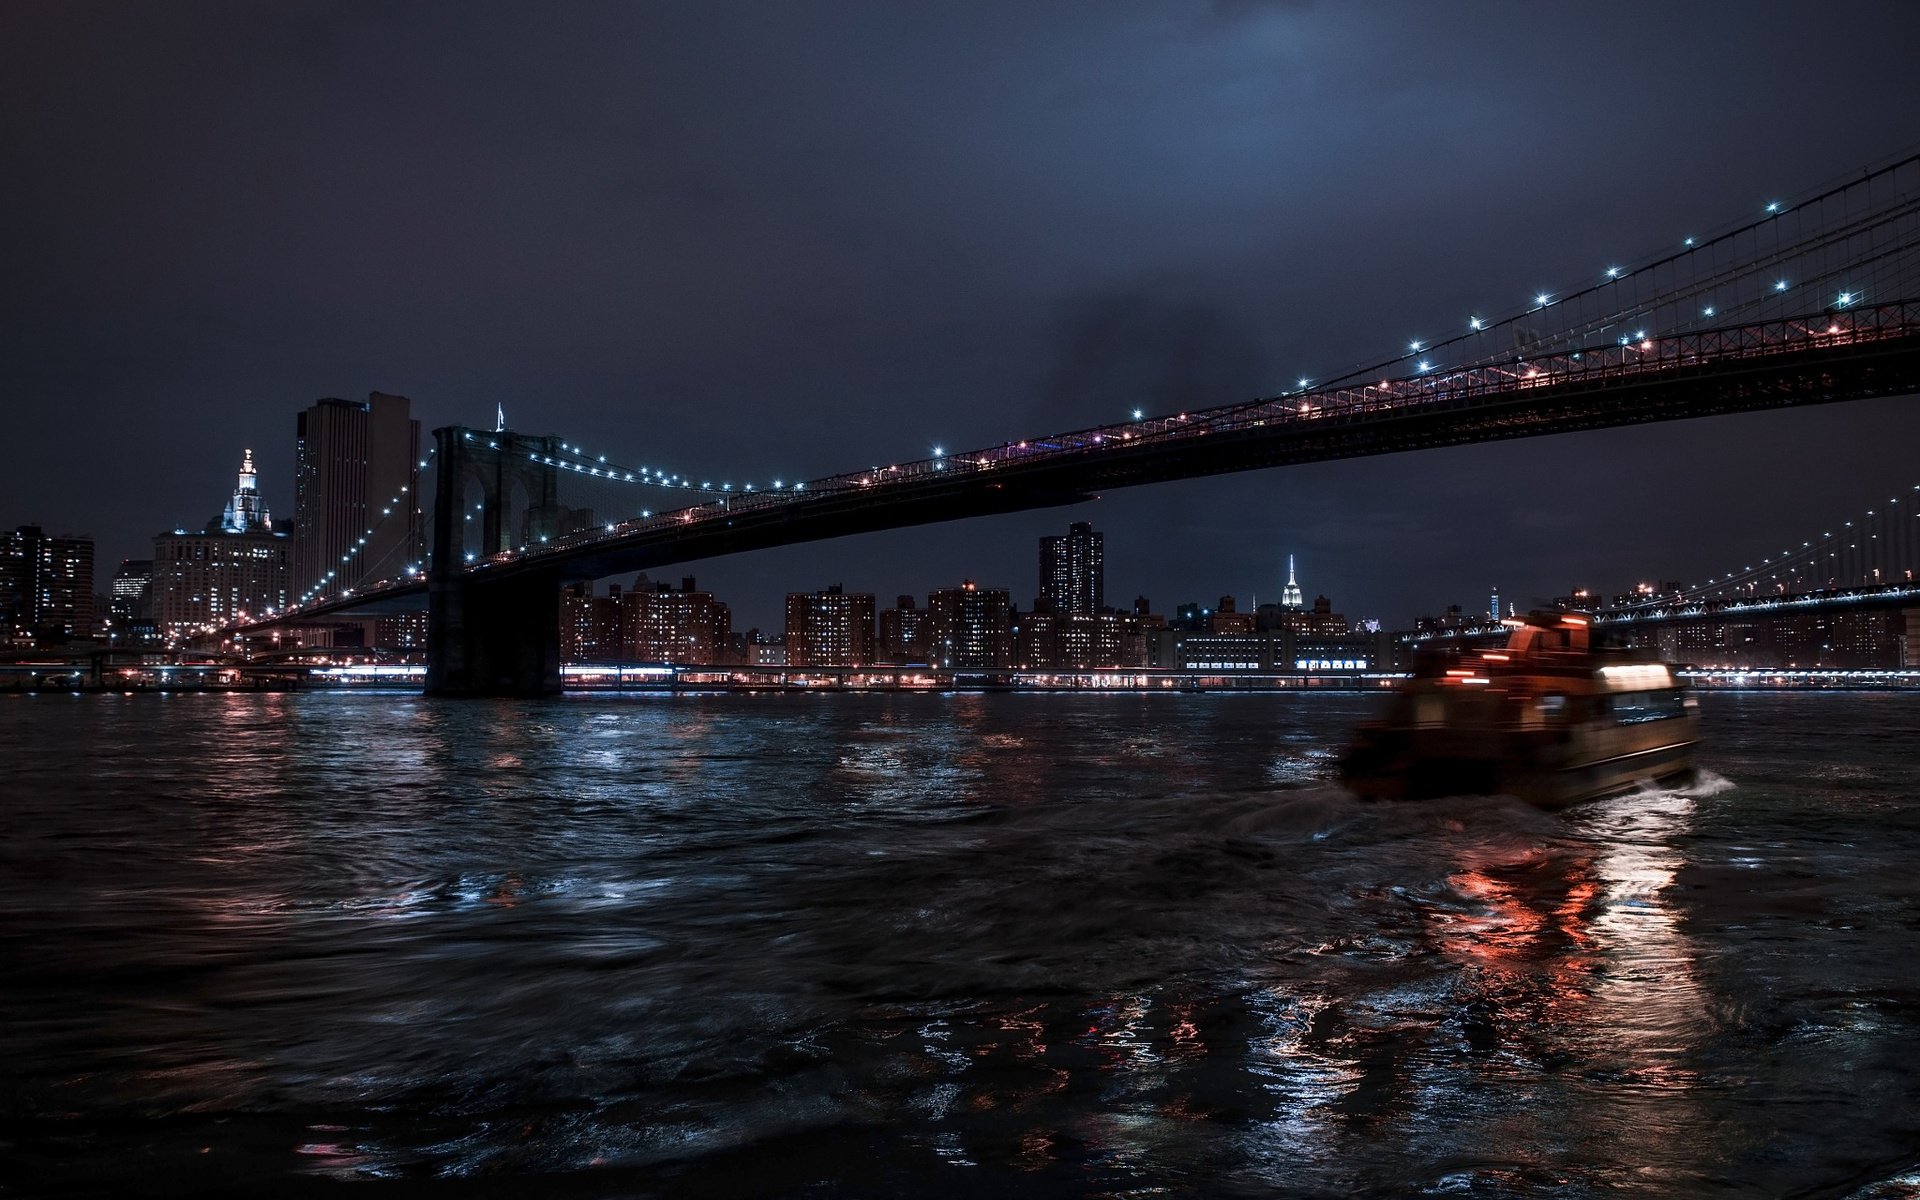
point(184, 303)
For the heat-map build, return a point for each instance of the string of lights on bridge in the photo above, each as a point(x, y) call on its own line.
point(395, 502)
point(1899, 546)
point(1425, 351)
point(1425, 355)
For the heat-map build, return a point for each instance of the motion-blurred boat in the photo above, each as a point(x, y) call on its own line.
point(1551, 718)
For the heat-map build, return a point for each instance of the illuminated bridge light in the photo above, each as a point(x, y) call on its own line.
point(1414, 346)
point(1780, 285)
point(1542, 299)
point(1707, 311)
point(1773, 206)
point(1846, 298)
point(1136, 414)
point(1686, 242)
point(1474, 322)
point(1613, 272)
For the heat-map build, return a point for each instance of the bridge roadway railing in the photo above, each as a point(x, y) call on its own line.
point(1599, 367)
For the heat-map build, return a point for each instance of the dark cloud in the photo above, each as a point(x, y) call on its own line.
point(1134, 349)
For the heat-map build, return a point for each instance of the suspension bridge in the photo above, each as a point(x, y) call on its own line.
point(1814, 299)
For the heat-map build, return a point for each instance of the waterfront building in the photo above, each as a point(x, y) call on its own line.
point(1833, 639)
point(46, 586)
point(1055, 641)
point(689, 627)
point(1072, 571)
point(905, 633)
point(589, 624)
point(236, 565)
point(1282, 651)
point(829, 628)
point(352, 460)
point(971, 627)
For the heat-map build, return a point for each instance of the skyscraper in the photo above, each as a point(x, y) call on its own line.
point(1072, 575)
point(352, 460)
point(46, 586)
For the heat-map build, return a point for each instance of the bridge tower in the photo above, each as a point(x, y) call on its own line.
point(493, 635)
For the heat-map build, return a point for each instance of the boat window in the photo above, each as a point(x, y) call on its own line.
point(1631, 708)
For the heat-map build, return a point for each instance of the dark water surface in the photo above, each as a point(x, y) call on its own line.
point(950, 945)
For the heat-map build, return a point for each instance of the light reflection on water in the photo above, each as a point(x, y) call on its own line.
point(939, 945)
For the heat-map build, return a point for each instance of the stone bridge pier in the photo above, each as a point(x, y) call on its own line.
point(491, 636)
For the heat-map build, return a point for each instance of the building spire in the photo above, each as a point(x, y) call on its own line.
point(244, 512)
point(1290, 598)
point(499, 417)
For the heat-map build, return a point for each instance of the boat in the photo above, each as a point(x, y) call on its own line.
point(1551, 717)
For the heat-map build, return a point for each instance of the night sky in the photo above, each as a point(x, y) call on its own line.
point(772, 239)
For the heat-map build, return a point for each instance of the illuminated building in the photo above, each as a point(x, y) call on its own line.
point(688, 626)
point(1290, 597)
point(829, 628)
point(1320, 619)
point(971, 628)
point(1225, 619)
point(1281, 651)
point(46, 586)
point(590, 625)
point(1052, 641)
point(130, 603)
point(1836, 639)
point(905, 633)
point(237, 565)
point(244, 512)
point(1072, 573)
point(352, 458)
point(404, 632)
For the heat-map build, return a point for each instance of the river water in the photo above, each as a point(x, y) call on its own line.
point(953, 945)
